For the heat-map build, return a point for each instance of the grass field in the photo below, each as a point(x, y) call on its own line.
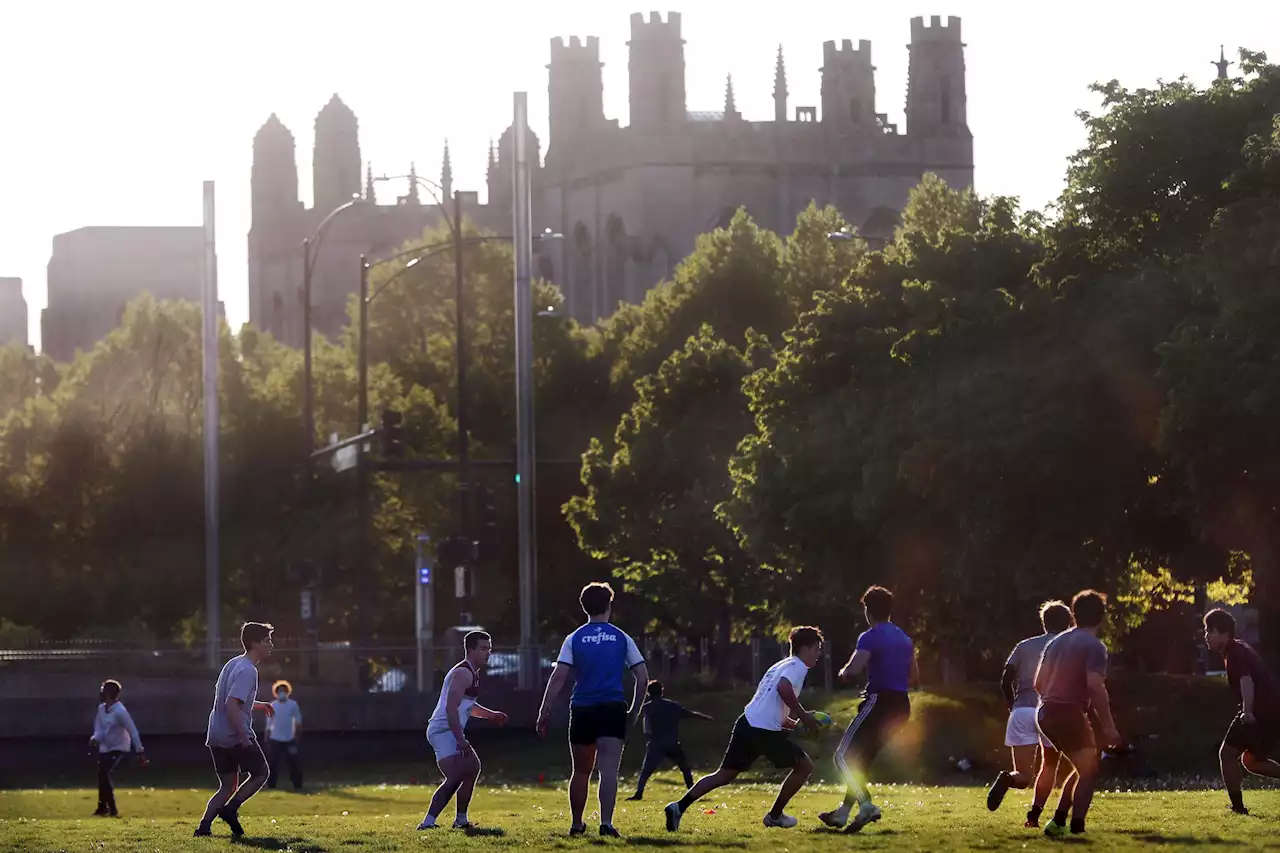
point(383, 818)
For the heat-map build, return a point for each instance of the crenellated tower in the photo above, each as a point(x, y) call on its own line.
point(273, 182)
point(936, 104)
point(575, 91)
point(848, 84)
point(336, 164)
point(656, 69)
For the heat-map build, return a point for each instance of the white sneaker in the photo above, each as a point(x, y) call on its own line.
point(786, 821)
point(835, 818)
point(867, 813)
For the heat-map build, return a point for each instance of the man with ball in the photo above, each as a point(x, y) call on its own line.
point(764, 729)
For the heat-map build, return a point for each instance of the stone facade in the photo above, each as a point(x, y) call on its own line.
point(630, 201)
point(13, 313)
point(95, 271)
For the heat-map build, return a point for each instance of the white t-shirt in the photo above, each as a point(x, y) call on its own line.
point(238, 679)
point(766, 710)
point(440, 716)
point(114, 730)
point(283, 727)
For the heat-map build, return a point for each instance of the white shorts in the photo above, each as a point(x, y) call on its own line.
point(444, 743)
point(1022, 729)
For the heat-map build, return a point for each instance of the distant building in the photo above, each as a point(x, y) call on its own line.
point(13, 313)
point(630, 201)
point(94, 272)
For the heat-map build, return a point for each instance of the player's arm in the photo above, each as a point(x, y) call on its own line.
point(265, 707)
point(1100, 701)
point(1008, 680)
point(1246, 698)
point(913, 678)
point(857, 663)
point(233, 709)
point(695, 715)
point(787, 694)
point(480, 712)
point(555, 685)
point(641, 673)
point(132, 729)
point(99, 730)
point(457, 689)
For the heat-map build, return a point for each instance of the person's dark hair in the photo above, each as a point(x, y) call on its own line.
point(110, 690)
point(804, 636)
point(654, 689)
point(1055, 617)
point(596, 598)
point(288, 688)
point(254, 632)
point(1089, 607)
point(473, 639)
point(1220, 621)
point(879, 603)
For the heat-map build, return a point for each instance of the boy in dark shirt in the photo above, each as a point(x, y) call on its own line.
point(1252, 738)
point(662, 732)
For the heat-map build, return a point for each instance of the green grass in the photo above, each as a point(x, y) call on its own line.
point(383, 818)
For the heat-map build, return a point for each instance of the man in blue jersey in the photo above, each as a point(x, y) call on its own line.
point(596, 656)
point(888, 656)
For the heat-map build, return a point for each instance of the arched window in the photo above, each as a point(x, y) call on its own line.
point(582, 281)
point(615, 289)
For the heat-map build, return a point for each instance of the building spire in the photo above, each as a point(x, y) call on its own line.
point(446, 173)
point(1222, 63)
point(730, 106)
point(368, 183)
point(413, 184)
point(780, 89)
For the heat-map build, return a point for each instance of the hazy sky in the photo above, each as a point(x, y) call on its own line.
point(114, 113)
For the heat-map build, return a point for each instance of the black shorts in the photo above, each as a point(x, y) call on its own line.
point(1066, 727)
point(589, 723)
point(1257, 738)
point(238, 759)
point(747, 743)
point(879, 717)
point(656, 752)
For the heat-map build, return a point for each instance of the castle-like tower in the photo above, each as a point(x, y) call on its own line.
point(630, 201)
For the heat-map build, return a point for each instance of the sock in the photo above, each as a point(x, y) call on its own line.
point(429, 820)
point(1061, 816)
point(461, 818)
point(1237, 799)
point(1077, 826)
point(1034, 813)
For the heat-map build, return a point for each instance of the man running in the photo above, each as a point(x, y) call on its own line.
point(764, 729)
point(597, 655)
point(114, 735)
point(1251, 739)
point(446, 731)
point(231, 739)
point(282, 735)
point(662, 737)
point(1072, 683)
point(888, 655)
point(1022, 735)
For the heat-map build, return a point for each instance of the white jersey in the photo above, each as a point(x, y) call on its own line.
point(766, 710)
point(114, 730)
point(440, 716)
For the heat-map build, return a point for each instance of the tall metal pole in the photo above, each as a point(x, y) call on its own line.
point(212, 604)
point(362, 467)
point(308, 397)
point(523, 237)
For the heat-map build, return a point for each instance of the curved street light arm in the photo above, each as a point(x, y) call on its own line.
point(436, 191)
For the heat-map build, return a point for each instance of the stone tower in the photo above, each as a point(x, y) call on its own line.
point(848, 84)
point(336, 166)
point(780, 89)
point(274, 180)
point(935, 86)
point(575, 93)
point(656, 70)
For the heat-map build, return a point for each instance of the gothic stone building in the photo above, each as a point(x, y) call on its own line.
point(630, 201)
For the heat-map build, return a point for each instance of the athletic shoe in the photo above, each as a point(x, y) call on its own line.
point(673, 813)
point(1241, 810)
point(101, 812)
point(867, 813)
point(1031, 823)
point(424, 826)
point(635, 798)
point(995, 796)
point(232, 819)
point(785, 821)
point(836, 818)
point(578, 829)
point(202, 832)
point(467, 825)
point(607, 831)
point(1056, 830)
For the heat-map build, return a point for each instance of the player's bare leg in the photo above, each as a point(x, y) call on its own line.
point(795, 780)
point(608, 757)
point(700, 789)
point(466, 790)
point(1050, 760)
point(584, 761)
point(455, 769)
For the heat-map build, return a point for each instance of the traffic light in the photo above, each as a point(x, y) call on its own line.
point(392, 434)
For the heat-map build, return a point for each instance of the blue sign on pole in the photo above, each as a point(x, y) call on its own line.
point(424, 575)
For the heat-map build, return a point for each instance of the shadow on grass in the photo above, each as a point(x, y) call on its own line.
point(1150, 837)
point(295, 843)
point(668, 841)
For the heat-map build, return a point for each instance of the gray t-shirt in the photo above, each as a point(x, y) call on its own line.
point(1063, 678)
point(1025, 659)
point(238, 679)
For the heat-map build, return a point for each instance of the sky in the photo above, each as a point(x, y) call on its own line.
point(115, 113)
